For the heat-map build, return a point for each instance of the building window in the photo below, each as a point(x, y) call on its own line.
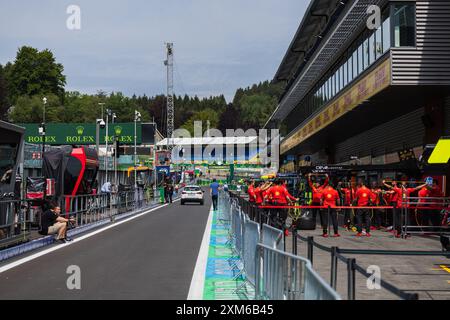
point(335, 80)
point(372, 49)
point(355, 64)
point(332, 86)
point(320, 96)
point(360, 59)
point(350, 69)
point(398, 27)
point(378, 43)
point(366, 54)
point(346, 73)
point(314, 100)
point(386, 31)
point(335, 84)
point(403, 24)
point(338, 79)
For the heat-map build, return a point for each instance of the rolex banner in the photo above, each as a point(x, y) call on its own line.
point(81, 133)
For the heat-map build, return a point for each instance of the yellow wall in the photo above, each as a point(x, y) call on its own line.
point(374, 82)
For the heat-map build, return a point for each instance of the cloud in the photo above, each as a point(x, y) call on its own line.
point(220, 45)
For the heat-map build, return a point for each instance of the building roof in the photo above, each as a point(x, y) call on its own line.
point(347, 19)
point(210, 141)
point(316, 17)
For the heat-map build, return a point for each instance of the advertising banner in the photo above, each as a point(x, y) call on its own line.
point(81, 133)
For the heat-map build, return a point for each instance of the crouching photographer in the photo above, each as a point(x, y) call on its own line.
point(53, 223)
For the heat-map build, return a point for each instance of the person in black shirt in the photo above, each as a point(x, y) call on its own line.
point(168, 190)
point(52, 223)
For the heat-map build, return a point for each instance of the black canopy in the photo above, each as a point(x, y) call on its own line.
point(55, 162)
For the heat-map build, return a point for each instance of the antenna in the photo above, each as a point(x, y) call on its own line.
point(170, 105)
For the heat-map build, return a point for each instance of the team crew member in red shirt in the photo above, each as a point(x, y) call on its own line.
point(258, 193)
point(376, 198)
point(407, 202)
point(425, 214)
point(316, 190)
point(362, 199)
point(330, 198)
point(251, 191)
point(279, 197)
point(396, 203)
point(265, 192)
point(261, 193)
point(251, 198)
point(258, 200)
point(437, 193)
point(400, 199)
point(348, 194)
point(284, 186)
point(387, 198)
point(429, 217)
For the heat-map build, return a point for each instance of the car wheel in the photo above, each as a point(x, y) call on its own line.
point(182, 202)
point(201, 203)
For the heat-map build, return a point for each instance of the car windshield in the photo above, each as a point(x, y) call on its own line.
point(191, 189)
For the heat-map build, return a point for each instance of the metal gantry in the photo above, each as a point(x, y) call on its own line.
point(170, 102)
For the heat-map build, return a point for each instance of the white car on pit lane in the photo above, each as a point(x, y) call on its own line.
point(192, 193)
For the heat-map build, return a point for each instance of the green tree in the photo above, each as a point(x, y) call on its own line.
point(228, 119)
point(256, 109)
point(34, 73)
point(253, 112)
point(31, 109)
point(4, 105)
point(204, 116)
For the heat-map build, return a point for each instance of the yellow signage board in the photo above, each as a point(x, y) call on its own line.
point(374, 82)
point(441, 153)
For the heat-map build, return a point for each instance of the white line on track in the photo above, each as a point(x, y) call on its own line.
point(86, 236)
point(198, 278)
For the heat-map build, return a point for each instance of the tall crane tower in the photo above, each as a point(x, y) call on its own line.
point(170, 106)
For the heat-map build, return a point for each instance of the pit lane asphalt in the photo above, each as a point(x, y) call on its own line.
point(150, 257)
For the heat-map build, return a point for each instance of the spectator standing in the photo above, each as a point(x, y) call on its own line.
point(214, 192)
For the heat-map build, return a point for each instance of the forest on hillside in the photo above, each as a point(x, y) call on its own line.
point(35, 74)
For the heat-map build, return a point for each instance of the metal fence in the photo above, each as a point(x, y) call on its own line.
point(20, 219)
point(251, 238)
point(337, 254)
point(283, 276)
point(425, 215)
point(224, 213)
point(272, 237)
point(15, 220)
point(273, 273)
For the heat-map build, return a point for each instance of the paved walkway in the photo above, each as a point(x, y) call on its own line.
point(429, 276)
point(222, 280)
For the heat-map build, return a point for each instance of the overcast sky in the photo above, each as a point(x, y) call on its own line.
point(219, 45)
